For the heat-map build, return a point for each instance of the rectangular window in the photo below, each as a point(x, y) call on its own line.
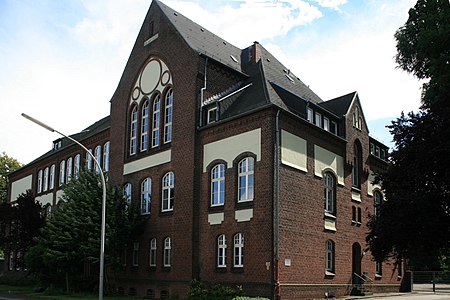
point(153, 253)
point(106, 156)
point(52, 177)
point(377, 151)
point(167, 252)
point(69, 169)
point(318, 119)
point(372, 149)
point(379, 268)
point(326, 123)
point(310, 115)
point(329, 267)
point(89, 160)
point(146, 196)
point(334, 127)
point(62, 172)
point(168, 188)
point(238, 253)
point(135, 254)
point(39, 182)
point(46, 179)
point(212, 115)
point(221, 251)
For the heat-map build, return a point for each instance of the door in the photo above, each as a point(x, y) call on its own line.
point(356, 264)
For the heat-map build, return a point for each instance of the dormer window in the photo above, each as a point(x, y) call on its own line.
point(57, 145)
point(212, 115)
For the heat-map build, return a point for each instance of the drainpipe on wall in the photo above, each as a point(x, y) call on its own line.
point(202, 90)
point(277, 193)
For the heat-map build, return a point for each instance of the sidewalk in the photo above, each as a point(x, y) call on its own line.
point(374, 296)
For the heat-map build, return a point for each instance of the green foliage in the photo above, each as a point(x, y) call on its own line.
point(199, 291)
point(423, 46)
point(20, 224)
point(7, 165)
point(70, 242)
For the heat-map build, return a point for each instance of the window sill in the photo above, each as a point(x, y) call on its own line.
point(166, 213)
point(329, 274)
point(244, 204)
point(216, 208)
point(221, 269)
point(378, 276)
point(329, 215)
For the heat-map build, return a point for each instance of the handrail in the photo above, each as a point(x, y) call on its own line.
point(370, 279)
point(357, 275)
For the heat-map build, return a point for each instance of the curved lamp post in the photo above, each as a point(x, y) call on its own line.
point(102, 235)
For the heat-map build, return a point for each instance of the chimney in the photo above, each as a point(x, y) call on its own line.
point(256, 52)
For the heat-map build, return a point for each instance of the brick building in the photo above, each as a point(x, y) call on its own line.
point(244, 176)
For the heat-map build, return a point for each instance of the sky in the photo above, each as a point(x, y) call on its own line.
point(61, 60)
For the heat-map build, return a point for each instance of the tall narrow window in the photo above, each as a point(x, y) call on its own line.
point(153, 252)
point(76, 166)
point(168, 116)
point(135, 254)
point(221, 251)
point(330, 194)
point(39, 182)
point(218, 185)
point(379, 268)
point(326, 123)
point(146, 196)
point(52, 177)
point(62, 172)
point(89, 160)
point(98, 157)
point(168, 186)
point(357, 120)
point(238, 253)
point(156, 120)
point(318, 119)
point(245, 179)
point(167, 252)
point(310, 115)
point(133, 130)
point(356, 171)
point(69, 169)
point(144, 126)
point(127, 192)
point(106, 148)
point(329, 265)
point(45, 188)
point(377, 198)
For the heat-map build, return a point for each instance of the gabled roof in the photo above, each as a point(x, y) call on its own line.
point(340, 105)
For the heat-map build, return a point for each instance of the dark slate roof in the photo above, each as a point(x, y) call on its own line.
point(339, 105)
point(88, 132)
point(202, 40)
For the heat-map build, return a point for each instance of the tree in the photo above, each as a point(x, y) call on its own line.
point(70, 242)
point(20, 224)
point(7, 165)
point(415, 221)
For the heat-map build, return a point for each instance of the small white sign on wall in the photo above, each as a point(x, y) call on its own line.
point(287, 262)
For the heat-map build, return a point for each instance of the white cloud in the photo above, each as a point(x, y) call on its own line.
point(334, 4)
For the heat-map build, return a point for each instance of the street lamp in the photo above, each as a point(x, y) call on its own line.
point(102, 235)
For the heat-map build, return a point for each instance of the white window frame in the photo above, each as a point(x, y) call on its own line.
point(76, 165)
point(168, 114)
point(39, 181)
point(45, 181)
point(156, 120)
point(145, 125)
point(69, 165)
point(167, 252)
point(106, 149)
point(218, 185)
point(89, 160)
point(221, 251)
point(98, 157)
point(326, 124)
point(246, 179)
point(212, 115)
point(152, 253)
point(133, 130)
point(310, 115)
point(238, 250)
point(62, 172)
point(146, 196)
point(52, 177)
point(168, 188)
point(318, 119)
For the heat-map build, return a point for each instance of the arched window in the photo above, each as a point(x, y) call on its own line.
point(167, 252)
point(133, 130)
point(168, 186)
point(238, 253)
point(156, 120)
point(62, 172)
point(106, 148)
point(144, 126)
point(153, 252)
point(330, 193)
point(146, 196)
point(329, 256)
point(39, 182)
point(357, 120)
point(45, 188)
point(378, 199)
point(218, 185)
point(357, 165)
point(245, 179)
point(221, 251)
point(76, 166)
point(69, 169)
point(52, 177)
point(168, 116)
point(89, 160)
point(98, 157)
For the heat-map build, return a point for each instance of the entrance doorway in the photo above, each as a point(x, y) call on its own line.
point(356, 264)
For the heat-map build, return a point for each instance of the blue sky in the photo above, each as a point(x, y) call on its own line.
point(61, 60)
